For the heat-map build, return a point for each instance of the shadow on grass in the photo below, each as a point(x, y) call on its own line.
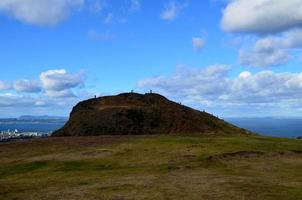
point(16, 169)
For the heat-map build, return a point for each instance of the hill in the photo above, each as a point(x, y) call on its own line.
point(42, 117)
point(134, 114)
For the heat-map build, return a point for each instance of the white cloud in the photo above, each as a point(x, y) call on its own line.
point(135, 5)
point(53, 12)
point(5, 85)
point(59, 79)
point(277, 24)
point(29, 86)
point(263, 58)
point(55, 93)
point(213, 87)
point(12, 105)
point(245, 74)
point(171, 11)
point(60, 93)
point(271, 50)
point(197, 43)
point(94, 35)
point(111, 18)
point(16, 101)
point(96, 6)
point(9, 99)
point(262, 16)
point(40, 12)
point(190, 82)
point(52, 83)
point(59, 82)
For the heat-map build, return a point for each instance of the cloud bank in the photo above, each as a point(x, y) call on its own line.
point(5, 86)
point(28, 86)
point(277, 25)
point(55, 91)
point(213, 87)
point(52, 83)
point(271, 50)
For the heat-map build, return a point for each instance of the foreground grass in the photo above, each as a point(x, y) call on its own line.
point(152, 167)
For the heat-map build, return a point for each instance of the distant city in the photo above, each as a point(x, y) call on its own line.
point(16, 135)
point(27, 127)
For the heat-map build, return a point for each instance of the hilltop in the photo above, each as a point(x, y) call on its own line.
point(135, 114)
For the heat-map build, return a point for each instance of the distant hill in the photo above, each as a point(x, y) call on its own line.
point(42, 117)
point(132, 113)
point(37, 119)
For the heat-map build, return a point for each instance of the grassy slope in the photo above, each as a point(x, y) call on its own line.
point(151, 167)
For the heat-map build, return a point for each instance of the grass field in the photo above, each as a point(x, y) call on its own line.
point(152, 167)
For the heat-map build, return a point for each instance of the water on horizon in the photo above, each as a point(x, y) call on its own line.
point(290, 128)
point(276, 127)
point(32, 127)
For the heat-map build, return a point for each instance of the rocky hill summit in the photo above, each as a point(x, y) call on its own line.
point(137, 114)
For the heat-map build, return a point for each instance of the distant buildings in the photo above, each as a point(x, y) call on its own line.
point(15, 134)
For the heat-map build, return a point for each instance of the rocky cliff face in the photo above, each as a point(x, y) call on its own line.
point(132, 113)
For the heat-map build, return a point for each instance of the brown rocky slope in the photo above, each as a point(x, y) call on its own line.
point(133, 113)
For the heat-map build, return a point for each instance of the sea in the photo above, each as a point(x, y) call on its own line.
point(44, 127)
point(268, 126)
point(277, 127)
point(43, 124)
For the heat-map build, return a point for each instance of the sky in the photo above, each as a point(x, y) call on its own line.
point(232, 58)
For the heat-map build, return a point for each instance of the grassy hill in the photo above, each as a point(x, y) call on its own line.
point(152, 167)
point(135, 114)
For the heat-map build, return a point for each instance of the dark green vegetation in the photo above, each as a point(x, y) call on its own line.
point(134, 114)
point(152, 167)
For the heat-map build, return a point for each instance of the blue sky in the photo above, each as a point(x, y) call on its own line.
point(232, 58)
